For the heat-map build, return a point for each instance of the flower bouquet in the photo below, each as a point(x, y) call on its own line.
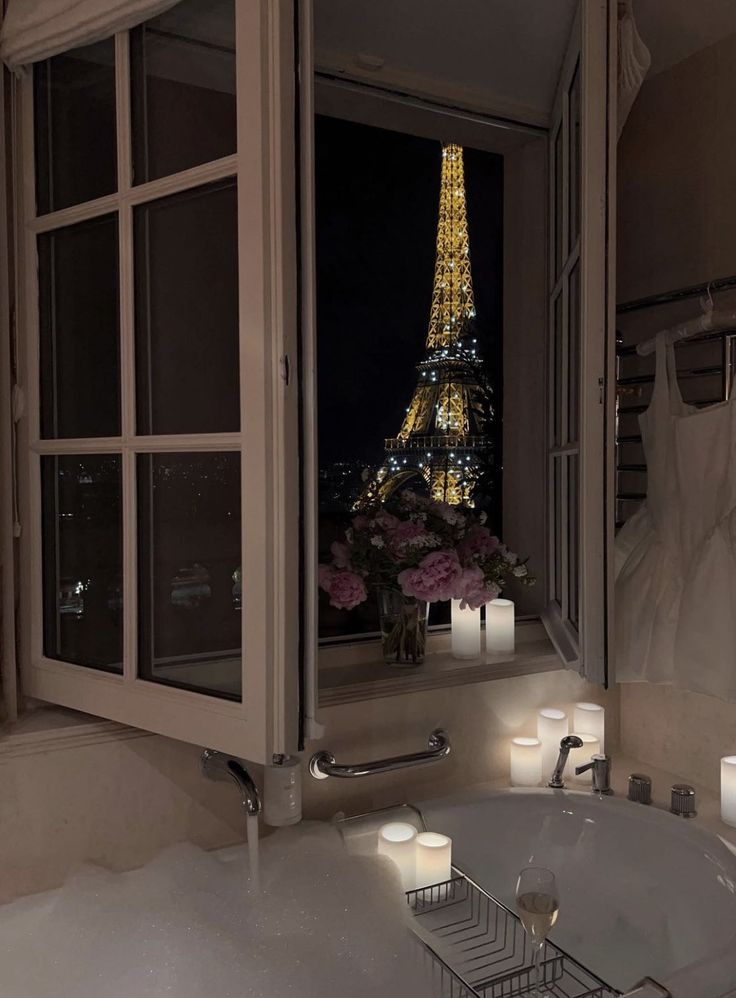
point(415, 551)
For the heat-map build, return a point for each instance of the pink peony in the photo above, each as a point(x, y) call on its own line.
point(361, 522)
point(387, 521)
point(433, 579)
point(345, 589)
point(478, 541)
point(340, 554)
point(406, 531)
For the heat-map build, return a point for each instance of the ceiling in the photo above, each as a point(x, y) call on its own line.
point(674, 29)
point(504, 52)
point(502, 55)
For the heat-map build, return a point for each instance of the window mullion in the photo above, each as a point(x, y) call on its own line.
point(127, 355)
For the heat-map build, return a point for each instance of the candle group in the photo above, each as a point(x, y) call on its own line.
point(465, 632)
point(422, 859)
point(500, 625)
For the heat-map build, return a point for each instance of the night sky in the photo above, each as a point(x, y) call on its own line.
point(377, 196)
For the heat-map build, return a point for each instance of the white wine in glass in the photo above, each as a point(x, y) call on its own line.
point(537, 903)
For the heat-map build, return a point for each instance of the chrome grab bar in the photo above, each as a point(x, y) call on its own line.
point(323, 764)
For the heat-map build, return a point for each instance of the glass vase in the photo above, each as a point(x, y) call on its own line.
point(403, 621)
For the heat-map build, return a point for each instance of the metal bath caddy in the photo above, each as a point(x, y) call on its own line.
point(472, 946)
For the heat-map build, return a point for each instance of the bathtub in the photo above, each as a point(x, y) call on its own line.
point(643, 893)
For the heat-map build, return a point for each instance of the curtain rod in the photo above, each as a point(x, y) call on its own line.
point(694, 291)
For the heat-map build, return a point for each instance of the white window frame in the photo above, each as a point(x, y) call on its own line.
point(266, 721)
point(592, 45)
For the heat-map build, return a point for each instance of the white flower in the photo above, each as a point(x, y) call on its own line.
point(377, 542)
point(519, 571)
point(349, 535)
point(482, 517)
point(452, 517)
point(423, 541)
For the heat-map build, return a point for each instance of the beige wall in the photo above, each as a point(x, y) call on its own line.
point(676, 188)
point(677, 227)
point(118, 800)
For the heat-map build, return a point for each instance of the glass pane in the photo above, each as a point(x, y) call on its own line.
point(76, 156)
point(82, 560)
point(573, 531)
point(189, 568)
point(186, 274)
point(558, 249)
point(183, 88)
point(80, 362)
point(557, 353)
point(557, 521)
point(573, 355)
point(574, 192)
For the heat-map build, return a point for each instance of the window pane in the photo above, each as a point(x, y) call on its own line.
point(82, 560)
point(80, 363)
point(183, 88)
point(76, 157)
point(189, 555)
point(574, 189)
point(186, 272)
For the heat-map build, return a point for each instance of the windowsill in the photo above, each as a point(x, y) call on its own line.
point(48, 728)
point(353, 671)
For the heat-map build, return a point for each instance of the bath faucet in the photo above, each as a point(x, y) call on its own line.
point(216, 766)
point(601, 766)
point(567, 743)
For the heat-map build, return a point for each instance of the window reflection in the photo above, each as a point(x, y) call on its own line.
point(82, 560)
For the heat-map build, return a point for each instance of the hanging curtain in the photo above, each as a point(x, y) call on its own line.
point(36, 29)
point(634, 61)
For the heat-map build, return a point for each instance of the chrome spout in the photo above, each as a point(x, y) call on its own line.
point(216, 766)
point(567, 743)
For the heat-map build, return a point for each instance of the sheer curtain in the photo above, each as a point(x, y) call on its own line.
point(37, 29)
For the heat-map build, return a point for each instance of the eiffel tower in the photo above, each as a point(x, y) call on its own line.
point(442, 438)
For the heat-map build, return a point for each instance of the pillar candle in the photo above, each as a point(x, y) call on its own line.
point(526, 762)
point(465, 632)
point(397, 840)
point(591, 718)
point(500, 625)
point(728, 789)
point(581, 756)
point(552, 727)
point(434, 859)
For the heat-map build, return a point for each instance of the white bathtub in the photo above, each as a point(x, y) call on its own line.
point(642, 892)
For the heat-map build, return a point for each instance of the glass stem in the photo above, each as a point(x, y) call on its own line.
point(537, 993)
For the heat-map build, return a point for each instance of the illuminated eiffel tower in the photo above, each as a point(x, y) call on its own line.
point(443, 434)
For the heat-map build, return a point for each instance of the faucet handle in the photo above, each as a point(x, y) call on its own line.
point(601, 766)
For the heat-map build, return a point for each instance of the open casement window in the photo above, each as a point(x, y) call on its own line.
point(581, 299)
point(159, 443)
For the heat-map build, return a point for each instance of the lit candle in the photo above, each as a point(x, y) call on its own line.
point(397, 840)
point(728, 789)
point(581, 756)
point(434, 859)
point(500, 625)
point(526, 762)
point(591, 718)
point(465, 632)
point(552, 727)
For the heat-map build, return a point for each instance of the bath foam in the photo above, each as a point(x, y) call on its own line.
point(189, 925)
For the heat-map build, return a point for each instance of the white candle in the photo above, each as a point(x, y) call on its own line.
point(728, 789)
point(397, 840)
point(591, 718)
point(465, 632)
point(526, 762)
point(434, 859)
point(552, 727)
point(500, 625)
point(581, 756)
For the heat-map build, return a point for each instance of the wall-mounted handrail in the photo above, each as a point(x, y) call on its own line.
point(323, 764)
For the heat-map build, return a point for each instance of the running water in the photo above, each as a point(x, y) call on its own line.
point(253, 862)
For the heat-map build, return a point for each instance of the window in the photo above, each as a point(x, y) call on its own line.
point(158, 423)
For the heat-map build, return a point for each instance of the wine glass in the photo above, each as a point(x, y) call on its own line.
point(537, 903)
